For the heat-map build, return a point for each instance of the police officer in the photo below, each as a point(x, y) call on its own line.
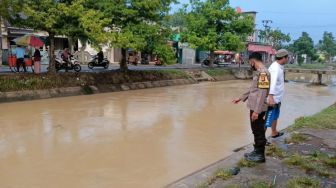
point(257, 103)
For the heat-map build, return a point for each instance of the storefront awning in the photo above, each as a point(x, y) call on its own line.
point(261, 48)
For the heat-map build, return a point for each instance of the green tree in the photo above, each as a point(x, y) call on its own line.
point(304, 45)
point(214, 25)
point(177, 19)
point(275, 37)
point(328, 45)
point(56, 17)
point(135, 24)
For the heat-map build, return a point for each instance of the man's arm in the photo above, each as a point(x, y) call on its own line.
point(243, 98)
point(245, 95)
point(274, 77)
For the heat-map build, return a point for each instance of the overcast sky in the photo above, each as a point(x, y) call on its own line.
point(292, 16)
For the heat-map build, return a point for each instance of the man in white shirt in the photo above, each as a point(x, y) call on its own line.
point(276, 91)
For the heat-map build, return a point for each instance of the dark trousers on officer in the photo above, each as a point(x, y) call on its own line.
point(258, 129)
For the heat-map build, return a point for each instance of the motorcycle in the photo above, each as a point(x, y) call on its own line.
point(206, 62)
point(94, 63)
point(219, 60)
point(144, 60)
point(133, 60)
point(74, 64)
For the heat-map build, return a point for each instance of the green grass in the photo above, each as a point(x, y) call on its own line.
point(303, 182)
point(297, 138)
point(217, 72)
point(174, 73)
point(19, 82)
point(324, 158)
point(233, 186)
point(245, 163)
point(323, 120)
point(274, 151)
point(202, 185)
point(260, 185)
point(87, 90)
point(31, 83)
point(315, 163)
point(331, 162)
point(221, 174)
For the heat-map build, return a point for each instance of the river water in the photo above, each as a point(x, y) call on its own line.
point(144, 138)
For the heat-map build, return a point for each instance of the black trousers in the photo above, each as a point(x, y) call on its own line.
point(258, 130)
point(20, 62)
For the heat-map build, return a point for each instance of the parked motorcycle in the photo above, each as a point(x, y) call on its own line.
point(219, 60)
point(144, 60)
point(133, 59)
point(74, 64)
point(206, 62)
point(94, 63)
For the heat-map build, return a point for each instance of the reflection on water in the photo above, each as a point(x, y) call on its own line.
point(144, 138)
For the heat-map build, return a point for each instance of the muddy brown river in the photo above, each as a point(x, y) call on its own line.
point(145, 138)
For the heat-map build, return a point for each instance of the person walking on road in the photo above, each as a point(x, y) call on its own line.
point(276, 92)
point(257, 103)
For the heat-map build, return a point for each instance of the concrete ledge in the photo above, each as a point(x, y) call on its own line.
point(202, 175)
point(243, 74)
point(85, 90)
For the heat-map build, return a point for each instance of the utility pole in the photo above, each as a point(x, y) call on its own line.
point(266, 24)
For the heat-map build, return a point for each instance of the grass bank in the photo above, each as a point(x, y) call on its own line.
point(19, 82)
point(323, 120)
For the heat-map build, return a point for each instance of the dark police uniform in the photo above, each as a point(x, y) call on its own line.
point(256, 98)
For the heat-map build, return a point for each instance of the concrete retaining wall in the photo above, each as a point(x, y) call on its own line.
point(73, 91)
point(243, 74)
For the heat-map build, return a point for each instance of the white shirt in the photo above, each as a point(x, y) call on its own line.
point(277, 81)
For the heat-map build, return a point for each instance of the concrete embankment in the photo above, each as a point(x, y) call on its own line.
point(30, 87)
point(87, 89)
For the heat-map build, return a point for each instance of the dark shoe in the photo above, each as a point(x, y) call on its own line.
point(257, 157)
point(278, 135)
point(234, 171)
point(251, 153)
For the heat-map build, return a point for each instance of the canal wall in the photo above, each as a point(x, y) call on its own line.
point(31, 87)
point(310, 78)
point(86, 90)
